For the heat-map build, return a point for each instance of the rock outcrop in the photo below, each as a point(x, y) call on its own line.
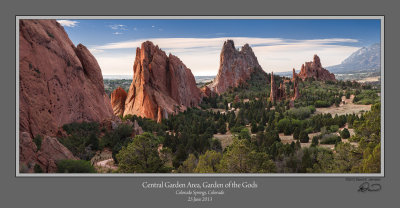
point(161, 85)
point(314, 70)
point(206, 92)
point(46, 157)
point(277, 93)
point(235, 67)
point(118, 97)
point(58, 82)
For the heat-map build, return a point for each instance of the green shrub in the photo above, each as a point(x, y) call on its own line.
point(82, 139)
point(334, 128)
point(300, 113)
point(37, 169)
point(38, 141)
point(222, 129)
point(330, 139)
point(347, 95)
point(296, 133)
point(237, 129)
point(314, 141)
point(304, 137)
point(322, 104)
point(50, 34)
point(117, 139)
point(75, 166)
point(345, 134)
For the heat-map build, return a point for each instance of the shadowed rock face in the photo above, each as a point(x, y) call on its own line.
point(314, 70)
point(59, 83)
point(235, 67)
point(118, 97)
point(161, 85)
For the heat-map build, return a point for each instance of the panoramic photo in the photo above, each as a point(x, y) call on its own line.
point(199, 96)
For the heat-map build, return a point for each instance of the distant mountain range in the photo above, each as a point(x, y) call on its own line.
point(366, 59)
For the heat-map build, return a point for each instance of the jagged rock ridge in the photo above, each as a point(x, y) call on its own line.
point(314, 69)
point(235, 67)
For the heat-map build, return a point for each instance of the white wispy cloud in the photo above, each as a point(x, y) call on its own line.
point(68, 23)
point(118, 33)
point(118, 27)
point(201, 55)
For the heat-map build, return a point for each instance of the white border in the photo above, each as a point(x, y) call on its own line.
point(18, 174)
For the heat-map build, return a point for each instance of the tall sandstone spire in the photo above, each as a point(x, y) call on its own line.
point(161, 85)
point(295, 80)
point(235, 67)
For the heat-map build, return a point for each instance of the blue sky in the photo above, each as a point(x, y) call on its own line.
point(279, 45)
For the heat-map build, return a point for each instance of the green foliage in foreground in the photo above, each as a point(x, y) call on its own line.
point(240, 158)
point(82, 139)
point(75, 166)
point(141, 156)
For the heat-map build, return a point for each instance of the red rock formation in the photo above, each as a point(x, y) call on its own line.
point(296, 93)
point(314, 70)
point(161, 84)
point(235, 67)
point(118, 97)
point(58, 82)
point(50, 152)
point(277, 93)
point(206, 92)
point(282, 91)
point(294, 76)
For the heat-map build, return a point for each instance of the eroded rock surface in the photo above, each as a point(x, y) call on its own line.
point(235, 67)
point(314, 69)
point(58, 82)
point(161, 85)
point(118, 97)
